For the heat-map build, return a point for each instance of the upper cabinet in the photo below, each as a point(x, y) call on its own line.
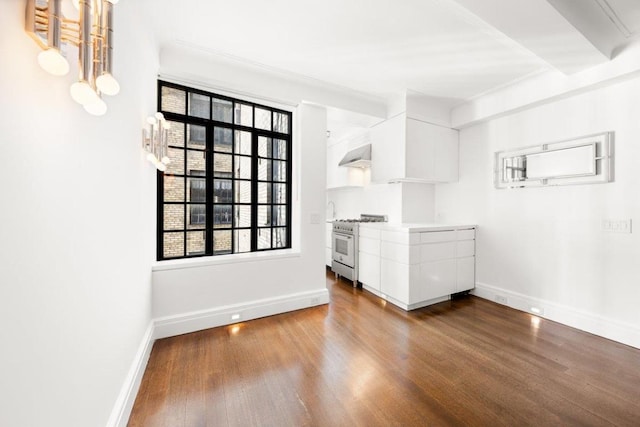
point(410, 150)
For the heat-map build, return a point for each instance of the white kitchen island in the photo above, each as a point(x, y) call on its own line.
point(415, 265)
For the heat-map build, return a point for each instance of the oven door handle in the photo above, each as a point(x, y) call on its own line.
point(346, 236)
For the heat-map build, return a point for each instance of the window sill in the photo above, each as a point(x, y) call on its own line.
point(178, 264)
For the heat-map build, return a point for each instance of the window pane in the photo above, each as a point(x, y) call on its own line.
point(280, 149)
point(279, 193)
point(196, 136)
point(279, 237)
point(264, 238)
point(173, 244)
point(197, 190)
point(222, 165)
point(263, 119)
point(222, 242)
point(243, 142)
point(264, 170)
point(173, 189)
point(264, 192)
point(243, 114)
point(242, 240)
point(279, 215)
point(264, 147)
point(175, 134)
point(173, 217)
point(243, 192)
point(281, 122)
point(279, 171)
point(222, 139)
point(222, 191)
point(197, 216)
point(242, 167)
point(196, 162)
point(176, 166)
point(243, 216)
point(174, 100)
point(264, 216)
point(195, 242)
point(222, 216)
point(222, 110)
point(199, 105)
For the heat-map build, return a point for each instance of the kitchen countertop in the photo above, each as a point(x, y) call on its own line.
point(414, 227)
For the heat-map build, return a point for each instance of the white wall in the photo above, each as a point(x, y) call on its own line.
point(546, 244)
point(76, 227)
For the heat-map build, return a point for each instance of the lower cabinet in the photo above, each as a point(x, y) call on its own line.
point(369, 259)
point(422, 269)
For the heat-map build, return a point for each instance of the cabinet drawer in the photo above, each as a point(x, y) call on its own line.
point(465, 248)
point(369, 232)
point(400, 253)
point(403, 237)
point(466, 234)
point(437, 236)
point(369, 246)
point(437, 251)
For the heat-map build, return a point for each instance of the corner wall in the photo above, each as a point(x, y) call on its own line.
point(188, 298)
point(545, 246)
point(76, 231)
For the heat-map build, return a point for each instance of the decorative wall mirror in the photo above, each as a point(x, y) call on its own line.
point(584, 160)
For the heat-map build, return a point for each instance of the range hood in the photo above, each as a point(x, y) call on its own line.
point(357, 158)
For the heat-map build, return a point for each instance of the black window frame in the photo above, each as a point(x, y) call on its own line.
point(214, 222)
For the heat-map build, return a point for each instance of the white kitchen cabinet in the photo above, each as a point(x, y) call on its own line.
point(405, 149)
point(424, 265)
point(369, 259)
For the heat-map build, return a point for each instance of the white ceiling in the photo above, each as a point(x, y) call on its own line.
point(454, 49)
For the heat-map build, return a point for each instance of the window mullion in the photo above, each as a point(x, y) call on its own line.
point(208, 243)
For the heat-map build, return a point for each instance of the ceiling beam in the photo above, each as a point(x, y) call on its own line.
point(539, 27)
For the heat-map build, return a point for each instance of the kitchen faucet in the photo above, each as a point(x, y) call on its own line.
point(333, 210)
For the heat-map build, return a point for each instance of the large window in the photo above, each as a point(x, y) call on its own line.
point(228, 186)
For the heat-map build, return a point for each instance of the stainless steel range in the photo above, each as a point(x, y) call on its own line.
point(345, 245)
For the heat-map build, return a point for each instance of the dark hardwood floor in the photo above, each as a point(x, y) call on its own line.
point(362, 362)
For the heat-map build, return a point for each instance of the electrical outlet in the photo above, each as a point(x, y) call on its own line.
point(501, 300)
point(617, 226)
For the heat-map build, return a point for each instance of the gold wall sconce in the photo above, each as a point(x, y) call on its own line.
point(92, 33)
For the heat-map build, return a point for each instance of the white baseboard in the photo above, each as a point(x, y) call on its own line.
point(195, 321)
point(615, 330)
point(198, 320)
point(124, 404)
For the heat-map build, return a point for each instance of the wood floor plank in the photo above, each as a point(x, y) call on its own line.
point(361, 361)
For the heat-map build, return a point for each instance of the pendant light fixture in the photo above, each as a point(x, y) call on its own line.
point(92, 33)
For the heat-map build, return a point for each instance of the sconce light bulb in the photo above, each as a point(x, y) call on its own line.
point(159, 116)
point(161, 166)
point(152, 158)
point(108, 84)
point(83, 93)
point(166, 160)
point(97, 108)
point(52, 61)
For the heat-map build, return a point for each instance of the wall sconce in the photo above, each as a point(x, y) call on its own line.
point(154, 141)
point(92, 33)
